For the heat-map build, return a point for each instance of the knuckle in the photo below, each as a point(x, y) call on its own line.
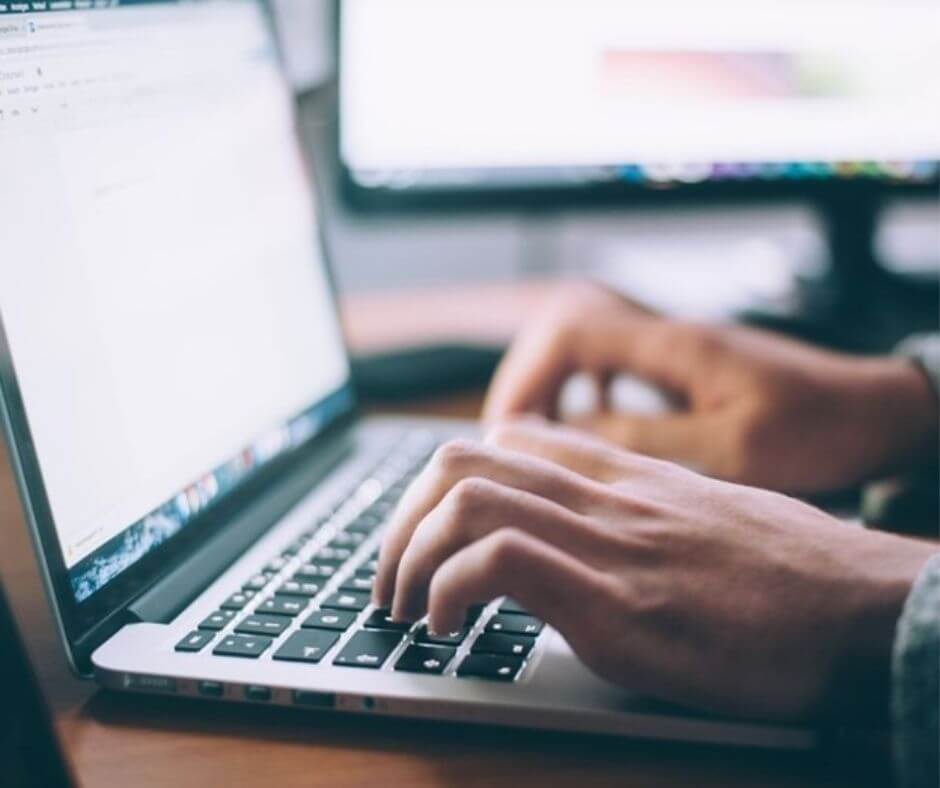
point(452, 455)
point(504, 550)
point(468, 496)
point(565, 330)
point(744, 444)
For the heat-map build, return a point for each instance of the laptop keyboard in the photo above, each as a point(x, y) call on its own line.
point(310, 602)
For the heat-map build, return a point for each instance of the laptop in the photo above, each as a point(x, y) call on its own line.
point(206, 502)
point(29, 748)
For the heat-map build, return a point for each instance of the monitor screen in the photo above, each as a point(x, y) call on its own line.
point(488, 93)
point(168, 313)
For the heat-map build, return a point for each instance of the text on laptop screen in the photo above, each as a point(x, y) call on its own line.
point(168, 314)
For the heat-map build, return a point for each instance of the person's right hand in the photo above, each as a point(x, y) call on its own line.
point(755, 408)
point(692, 590)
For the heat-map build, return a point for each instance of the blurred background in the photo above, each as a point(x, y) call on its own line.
point(770, 162)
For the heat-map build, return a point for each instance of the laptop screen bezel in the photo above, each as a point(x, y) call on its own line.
point(86, 625)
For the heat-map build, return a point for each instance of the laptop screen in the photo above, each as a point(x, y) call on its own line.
point(168, 313)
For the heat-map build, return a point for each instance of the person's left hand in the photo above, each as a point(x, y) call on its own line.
point(685, 588)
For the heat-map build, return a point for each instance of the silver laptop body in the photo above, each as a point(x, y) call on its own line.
point(205, 502)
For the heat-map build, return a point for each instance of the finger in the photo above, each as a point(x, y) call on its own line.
point(533, 371)
point(550, 584)
point(582, 452)
point(537, 364)
point(458, 460)
point(694, 440)
point(473, 509)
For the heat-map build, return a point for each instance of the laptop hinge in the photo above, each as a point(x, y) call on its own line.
point(170, 595)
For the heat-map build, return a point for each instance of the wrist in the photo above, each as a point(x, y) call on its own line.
point(887, 568)
point(902, 406)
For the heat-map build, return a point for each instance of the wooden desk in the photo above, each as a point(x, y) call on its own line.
point(124, 741)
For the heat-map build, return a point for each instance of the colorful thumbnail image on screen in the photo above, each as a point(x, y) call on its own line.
point(711, 76)
point(157, 527)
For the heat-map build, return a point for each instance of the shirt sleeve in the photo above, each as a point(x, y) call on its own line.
point(916, 682)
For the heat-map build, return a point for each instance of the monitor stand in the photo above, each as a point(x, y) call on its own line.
point(856, 304)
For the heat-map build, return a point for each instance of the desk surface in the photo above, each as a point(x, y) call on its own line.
point(123, 740)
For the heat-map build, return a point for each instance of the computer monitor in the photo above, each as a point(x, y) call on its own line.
point(601, 98)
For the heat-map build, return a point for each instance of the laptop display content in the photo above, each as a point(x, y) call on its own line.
point(168, 316)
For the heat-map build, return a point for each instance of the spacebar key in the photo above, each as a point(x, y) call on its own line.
point(368, 649)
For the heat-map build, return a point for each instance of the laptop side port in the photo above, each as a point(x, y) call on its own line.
point(257, 693)
point(320, 700)
point(211, 689)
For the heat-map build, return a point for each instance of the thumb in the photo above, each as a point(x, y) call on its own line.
point(690, 439)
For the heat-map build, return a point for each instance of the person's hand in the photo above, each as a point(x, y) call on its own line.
point(666, 582)
point(753, 407)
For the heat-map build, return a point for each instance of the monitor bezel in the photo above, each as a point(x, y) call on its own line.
point(85, 625)
point(487, 198)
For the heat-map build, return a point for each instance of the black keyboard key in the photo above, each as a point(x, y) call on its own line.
point(370, 566)
point(381, 619)
point(508, 645)
point(347, 600)
point(249, 646)
point(272, 626)
point(473, 613)
point(364, 524)
point(195, 641)
point(330, 619)
point(332, 555)
point(284, 605)
point(354, 583)
point(347, 540)
point(489, 666)
point(217, 620)
point(256, 583)
point(295, 547)
point(383, 508)
point(512, 606)
point(425, 659)
point(316, 571)
point(308, 646)
point(238, 600)
point(275, 565)
point(299, 588)
point(441, 638)
point(514, 624)
point(368, 649)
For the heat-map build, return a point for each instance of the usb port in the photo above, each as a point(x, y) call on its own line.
point(322, 700)
point(211, 689)
point(255, 692)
